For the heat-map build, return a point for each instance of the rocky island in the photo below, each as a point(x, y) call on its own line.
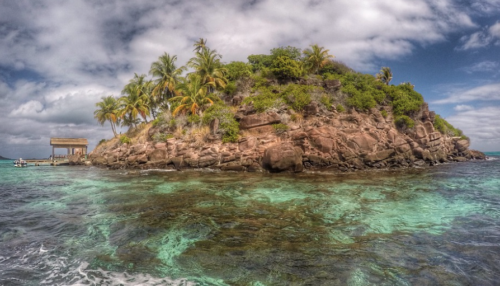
point(278, 112)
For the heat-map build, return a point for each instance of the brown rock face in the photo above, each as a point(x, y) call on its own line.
point(158, 155)
point(346, 141)
point(462, 145)
point(282, 157)
point(260, 119)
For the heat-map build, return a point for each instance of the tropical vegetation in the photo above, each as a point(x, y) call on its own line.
point(184, 100)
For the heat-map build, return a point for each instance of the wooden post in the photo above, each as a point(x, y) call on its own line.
point(52, 153)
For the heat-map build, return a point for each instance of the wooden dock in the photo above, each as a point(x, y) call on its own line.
point(39, 162)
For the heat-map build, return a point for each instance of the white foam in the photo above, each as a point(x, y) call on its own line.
point(102, 277)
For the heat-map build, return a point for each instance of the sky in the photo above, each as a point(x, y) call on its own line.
point(59, 57)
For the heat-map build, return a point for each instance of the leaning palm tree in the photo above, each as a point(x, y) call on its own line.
point(194, 95)
point(316, 58)
point(207, 64)
point(108, 111)
point(166, 76)
point(200, 45)
point(134, 103)
point(385, 75)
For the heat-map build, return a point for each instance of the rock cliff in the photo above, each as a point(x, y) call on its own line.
point(343, 141)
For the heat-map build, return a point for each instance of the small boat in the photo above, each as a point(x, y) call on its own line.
point(20, 163)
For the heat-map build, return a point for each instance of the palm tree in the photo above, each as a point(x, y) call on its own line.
point(167, 76)
point(385, 75)
point(194, 95)
point(316, 58)
point(200, 45)
point(108, 111)
point(135, 102)
point(207, 64)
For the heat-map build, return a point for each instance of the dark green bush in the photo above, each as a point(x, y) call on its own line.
point(285, 68)
point(258, 62)
point(227, 123)
point(405, 100)
point(335, 67)
point(297, 96)
point(404, 121)
point(237, 70)
point(363, 90)
point(340, 108)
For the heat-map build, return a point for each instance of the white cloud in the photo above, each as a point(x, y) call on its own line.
point(489, 92)
point(481, 39)
point(481, 125)
point(484, 66)
point(463, 107)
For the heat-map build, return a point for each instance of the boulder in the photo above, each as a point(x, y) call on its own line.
point(462, 145)
point(158, 155)
point(379, 156)
point(260, 119)
point(282, 157)
point(311, 109)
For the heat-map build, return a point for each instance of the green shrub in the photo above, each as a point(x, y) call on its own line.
point(259, 62)
point(169, 136)
point(160, 137)
point(404, 121)
point(360, 100)
point(194, 118)
point(384, 113)
point(446, 128)
point(265, 100)
point(326, 101)
point(237, 70)
point(100, 142)
point(285, 68)
point(227, 123)
point(405, 100)
point(155, 122)
point(340, 108)
point(363, 91)
point(335, 67)
point(259, 82)
point(297, 96)
point(230, 88)
point(280, 128)
point(172, 123)
point(124, 139)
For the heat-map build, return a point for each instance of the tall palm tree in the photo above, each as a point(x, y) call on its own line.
point(207, 64)
point(200, 45)
point(167, 76)
point(108, 111)
point(385, 75)
point(135, 102)
point(316, 58)
point(194, 95)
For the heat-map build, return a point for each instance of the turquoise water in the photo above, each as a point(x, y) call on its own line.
point(90, 226)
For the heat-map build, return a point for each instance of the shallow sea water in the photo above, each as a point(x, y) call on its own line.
point(90, 226)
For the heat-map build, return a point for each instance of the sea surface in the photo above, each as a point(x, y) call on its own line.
point(89, 226)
